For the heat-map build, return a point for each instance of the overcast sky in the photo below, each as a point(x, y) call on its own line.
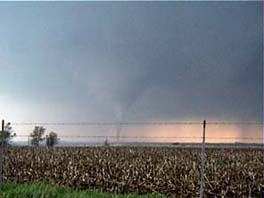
point(131, 61)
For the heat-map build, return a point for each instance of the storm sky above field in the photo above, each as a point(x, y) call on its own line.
point(131, 61)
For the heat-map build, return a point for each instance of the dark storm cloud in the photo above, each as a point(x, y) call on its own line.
point(135, 60)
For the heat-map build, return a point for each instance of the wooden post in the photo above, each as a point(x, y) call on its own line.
point(2, 153)
point(203, 162)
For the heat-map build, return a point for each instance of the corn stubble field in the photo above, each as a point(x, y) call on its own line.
point(171, 171)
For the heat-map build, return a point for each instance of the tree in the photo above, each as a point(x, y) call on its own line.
point(52, 139)
point(37, 135)
point(7, 135)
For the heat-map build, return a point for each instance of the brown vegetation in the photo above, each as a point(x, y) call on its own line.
point(174, 171)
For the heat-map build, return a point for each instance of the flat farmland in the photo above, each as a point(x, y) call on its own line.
point(165, 170)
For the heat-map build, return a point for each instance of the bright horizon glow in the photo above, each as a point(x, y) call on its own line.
point(181, 133)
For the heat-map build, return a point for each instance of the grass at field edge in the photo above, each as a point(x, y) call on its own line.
point(48, 191)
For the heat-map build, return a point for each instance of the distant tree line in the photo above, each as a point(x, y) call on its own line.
point(36, 137)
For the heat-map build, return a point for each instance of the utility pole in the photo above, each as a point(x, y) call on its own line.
point(203, 162)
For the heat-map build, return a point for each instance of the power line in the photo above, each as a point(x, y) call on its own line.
point(105, 123)
point(150, 137)
point(235, 123)
point(130, 123)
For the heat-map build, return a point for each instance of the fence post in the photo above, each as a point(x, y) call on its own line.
point(2, 153)
point(203, 160)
